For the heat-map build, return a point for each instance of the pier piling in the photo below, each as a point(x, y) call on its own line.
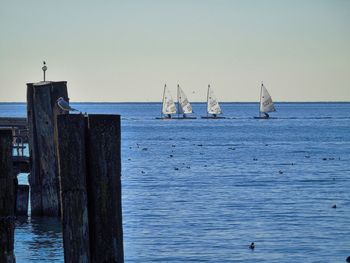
point(72, 177)
point(104, 188)
point(90, 171)
point(22, 200)
point(41, 113)
point(7, 198)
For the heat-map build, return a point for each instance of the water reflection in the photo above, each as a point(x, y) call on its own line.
point(38, 239)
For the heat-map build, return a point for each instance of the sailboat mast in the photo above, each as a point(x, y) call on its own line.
point(178, 102)
point(161, 110)
point(260, 98)
point(208, 99)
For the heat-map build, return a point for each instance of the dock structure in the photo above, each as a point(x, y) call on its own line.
point(90, 179)
point(19, 129)
point(74, 167)
point(20, 162)
point(42, 111)
point(7, 198)
point(72, 177)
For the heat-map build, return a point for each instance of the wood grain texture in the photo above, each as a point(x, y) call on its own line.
point(72, 177)
point(7, 198)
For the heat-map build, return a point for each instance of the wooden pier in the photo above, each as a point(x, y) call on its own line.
point(74, 167)
point(19, 128)
point(7, 199)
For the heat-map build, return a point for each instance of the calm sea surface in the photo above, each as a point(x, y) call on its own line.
point(203, 190)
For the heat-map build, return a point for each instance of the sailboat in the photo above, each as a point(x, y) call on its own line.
point(168, 105)
point(213, 107)
point(266, 104)
point(183, 105)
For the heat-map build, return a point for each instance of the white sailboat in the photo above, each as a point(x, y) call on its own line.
point(168, 105)
point(213, 107)
point(266, 104)
point(183, 105)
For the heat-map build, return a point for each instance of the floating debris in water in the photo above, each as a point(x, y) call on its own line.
point(252, 246)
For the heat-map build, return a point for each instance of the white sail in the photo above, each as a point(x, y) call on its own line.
point(213, 106)
point(266, 104)
point(168, 102)
point(185, 106)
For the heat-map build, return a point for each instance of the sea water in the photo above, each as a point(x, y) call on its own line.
point(203, 190)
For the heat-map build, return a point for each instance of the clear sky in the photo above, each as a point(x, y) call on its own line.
point(126, 50)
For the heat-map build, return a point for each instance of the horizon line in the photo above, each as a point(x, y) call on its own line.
point(193, 102)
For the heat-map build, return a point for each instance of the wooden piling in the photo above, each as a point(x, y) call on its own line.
point(72, 177)
point(42, 110)
point(104, 188)
point(7, 198)
point(22, 200)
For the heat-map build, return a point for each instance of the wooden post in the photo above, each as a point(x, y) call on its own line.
point(42, 110)
point(7, 199)
point(104, 188)
point(22, 200)
point(72, 177)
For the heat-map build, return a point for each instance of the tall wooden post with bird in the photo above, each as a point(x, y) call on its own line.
point(42, 110)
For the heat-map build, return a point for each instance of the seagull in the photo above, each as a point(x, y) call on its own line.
point(64, 105)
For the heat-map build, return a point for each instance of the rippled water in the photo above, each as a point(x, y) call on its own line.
point(203, 190)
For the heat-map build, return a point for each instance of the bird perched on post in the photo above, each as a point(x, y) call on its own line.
point(44, 68)
point(64, 105)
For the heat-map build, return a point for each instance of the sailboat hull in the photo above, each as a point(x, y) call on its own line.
point(265, 118)
point(184, 118)
point(176, 118)
point(261, 117)
point(212, 117)
point(160, 118)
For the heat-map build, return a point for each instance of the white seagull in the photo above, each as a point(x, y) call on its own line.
point(64, 105)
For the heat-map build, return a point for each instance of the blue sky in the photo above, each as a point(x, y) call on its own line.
point(127, 50)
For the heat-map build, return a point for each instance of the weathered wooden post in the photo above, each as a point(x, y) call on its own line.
point(7, 198)
point(42, 110)
point(72, 176)
point(104, 188)
point(22, 200)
